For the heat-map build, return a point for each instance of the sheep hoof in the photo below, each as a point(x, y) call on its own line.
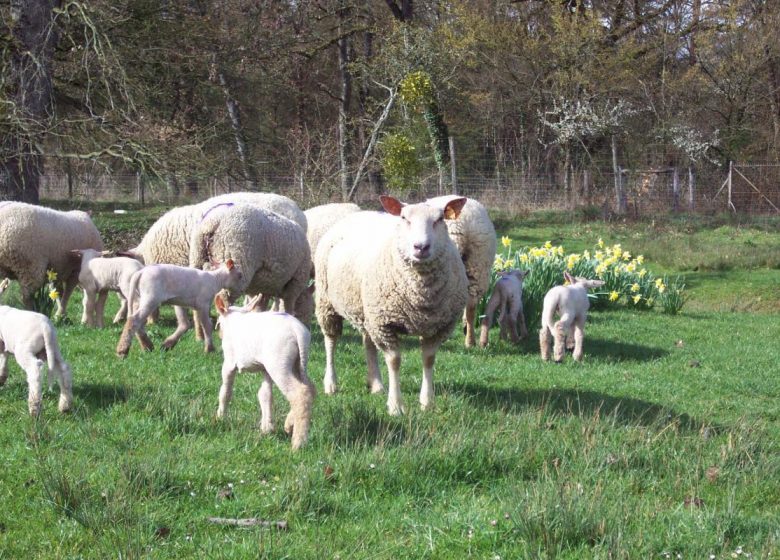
point(376, 388)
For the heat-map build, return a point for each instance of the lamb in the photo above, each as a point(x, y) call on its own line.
point(181, 286)
point(276, 344)
point(507, 297)
point(475, 238)
point(321, 218)
point(272, 250)
point(30, 337)
point(390, 274)
point(34, 239)
point(571, 303)
point(98, 275)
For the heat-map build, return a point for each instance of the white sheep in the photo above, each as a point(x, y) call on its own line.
point(390, 274)
point(507, 298)
point(181, 286)
point(273, 252)
point(34, 239)
point(276, 344)
point(475, 238)
point(321, 218)
point(30, 337)
point(278, 203)
point(571, 304)
point(98, 276)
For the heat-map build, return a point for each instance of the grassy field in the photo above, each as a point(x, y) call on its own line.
point(663, 443)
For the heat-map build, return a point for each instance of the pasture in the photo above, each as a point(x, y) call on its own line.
point(663, 443)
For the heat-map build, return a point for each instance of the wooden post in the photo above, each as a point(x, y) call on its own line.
point(69, 172)
point(139, 185)
point(675, 189)
point(691, 179)
point(730, 203)
point(619, 198)
point(453, 170)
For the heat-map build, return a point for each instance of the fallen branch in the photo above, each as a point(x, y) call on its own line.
point(248, 522)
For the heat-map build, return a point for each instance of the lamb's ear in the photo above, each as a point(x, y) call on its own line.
point(220, 304)
point(522, 273)
point(4, 283)
point(569, 278)
point(391, 205)
point(454, 207)
point(252, 304)
point(229, 264)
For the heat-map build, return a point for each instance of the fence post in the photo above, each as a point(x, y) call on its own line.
point(139, 185)
point(453, 170)
point(691, 179)
point(730, 203)
point(675, 189)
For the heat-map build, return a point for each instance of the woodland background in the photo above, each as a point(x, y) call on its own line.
point(619, 105)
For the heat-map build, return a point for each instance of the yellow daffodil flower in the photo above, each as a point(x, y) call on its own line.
point(640, 259)
point(661, 289)
point(631, 267)
point(54, 295)
point(642, 273)
point(505, 241)
point(548, 245)
point(634, 287)
point(626, 256)
point(613, 296)
point(51, 276)
point(637, 298)
point(601, 243)
point(586, 254)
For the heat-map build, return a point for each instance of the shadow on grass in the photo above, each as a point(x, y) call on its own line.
point(571, 402)
point(607, 350)
point(101, 395)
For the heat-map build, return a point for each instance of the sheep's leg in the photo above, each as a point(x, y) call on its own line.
point(330, 383)
point(100, 308)
point(373, 377)
point(468, 316)
point(265, 398)
point(395, 405)
point(198, 328)
point(3, 365)
point(429, 349)
point(226, 390)
point(135, 326)
point(544, 342)
point(487, 320)
point(33, 367)
point(122, 313)
point(560, 332)
point(202, 318)
point(88, 309)
point(579, 337)
point(569, 341)
point(65, 381)
point(521, 320)
point(182, 326)
point(511, 319)
point(67, 290)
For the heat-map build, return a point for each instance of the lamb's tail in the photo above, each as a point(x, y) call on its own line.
point(54, 358)
point(303, 338)
point(548, 312)
point(132, 288)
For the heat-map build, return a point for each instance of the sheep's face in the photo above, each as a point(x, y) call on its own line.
point(422, 233)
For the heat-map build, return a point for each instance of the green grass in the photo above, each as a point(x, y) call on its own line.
point(665, 440)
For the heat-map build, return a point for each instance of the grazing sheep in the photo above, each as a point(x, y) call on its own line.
point(571, 304)
point(34, 239)
point(31, 337)
point(183, 287)
point(507, 297)
point(276, 344)
point(475, 238)
point(98, 275)
point(278, 203)
point(321, 218)
point(272, 250)
point(391, 274)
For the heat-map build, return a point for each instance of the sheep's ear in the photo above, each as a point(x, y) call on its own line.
point(454, 207)
point(569, 278)
point(229, 264)
point(252, 304)
point(391, 205)
point(522, 273)
point(4, 285)
point(220, 304)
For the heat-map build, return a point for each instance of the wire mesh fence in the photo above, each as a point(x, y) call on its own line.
point(742, 188)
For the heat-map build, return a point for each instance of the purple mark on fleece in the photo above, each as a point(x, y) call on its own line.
point(221, 206)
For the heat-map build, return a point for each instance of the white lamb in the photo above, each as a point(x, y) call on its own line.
point(98, 275)
point(571, 304)
point(30, 337)
point(34, 239)
point(181, 286)
point(507, 298)
point(475, 238)
point(276, 344)
point(391, 274)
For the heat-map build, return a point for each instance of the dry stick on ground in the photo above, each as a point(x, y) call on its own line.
point(248, 522)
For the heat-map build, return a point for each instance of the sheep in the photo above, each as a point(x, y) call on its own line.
point(571, 304)
point(278, 203)
point(272, 250)
point(321, 218)
point(34, 239)
point(184, 287)
point(98, 275)
point(507, 297)
point(390, 274)
point(475, 238)
point(30, 337)
point(276, 344)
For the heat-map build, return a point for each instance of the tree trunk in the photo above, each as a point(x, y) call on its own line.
point(242, 151)
point(620, 199)
point(344, 101)
point(34, 38)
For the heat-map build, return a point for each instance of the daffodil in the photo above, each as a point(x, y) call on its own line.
point(601, 269)
point(559, 250)
point(51, 275)
point(601, 243)
point(637, 298)
point(548, 245)
point(642, 273)
point(650, 301)
point(599, 255)
point(661, 289)
point(631, 267)
point(586, 254)
point(626, 255)
point(54, 295)
point(640, 259)
point(505, 241)
point(617, 251)
point(613, 296)
point(634, 287)
point(659, 282)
